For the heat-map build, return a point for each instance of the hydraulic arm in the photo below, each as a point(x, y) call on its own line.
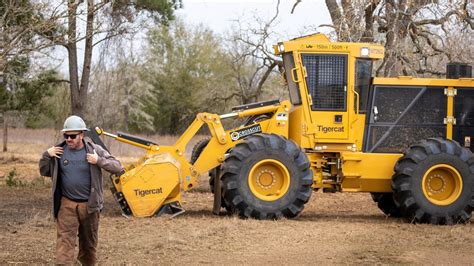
point(154, 183)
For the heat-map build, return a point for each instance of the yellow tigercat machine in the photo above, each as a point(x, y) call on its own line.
point(405, 140)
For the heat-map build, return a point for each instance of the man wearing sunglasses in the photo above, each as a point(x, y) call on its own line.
point(75, 168)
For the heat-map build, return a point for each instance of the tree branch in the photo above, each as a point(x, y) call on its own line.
point(294, 6)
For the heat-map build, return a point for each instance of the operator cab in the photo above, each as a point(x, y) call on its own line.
point(329, 88)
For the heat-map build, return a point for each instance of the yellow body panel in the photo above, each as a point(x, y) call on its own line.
point(367, 172)
point(357, 130)
point(320, 43)
point(450, 113)
point(150, 184)
point(410, 81)
point(298, 130)
point(326, 130)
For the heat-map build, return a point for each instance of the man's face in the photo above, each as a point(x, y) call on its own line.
point(74, 139)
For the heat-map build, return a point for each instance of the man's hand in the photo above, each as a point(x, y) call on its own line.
point(92, 158)
point(55, 151)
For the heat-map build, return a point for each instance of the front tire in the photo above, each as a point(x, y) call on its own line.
point(434, 183)
point(266, 177)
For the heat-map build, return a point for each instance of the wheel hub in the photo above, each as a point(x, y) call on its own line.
point(269, 180)
point(442, 184)
point(436, 184)
point(266, 179)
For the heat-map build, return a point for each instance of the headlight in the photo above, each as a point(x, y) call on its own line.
point(281, 47)
point(364, 51)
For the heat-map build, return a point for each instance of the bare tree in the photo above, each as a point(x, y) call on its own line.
point(103, 20)
point(21, 90)
point(19, 23)
point(117, 83)
point(253, 61)
point(414, 33)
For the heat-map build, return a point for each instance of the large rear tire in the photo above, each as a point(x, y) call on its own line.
point(386, 204)
point(266, 177)
point(434, 183)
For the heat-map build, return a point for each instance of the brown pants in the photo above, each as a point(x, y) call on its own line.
point(73, 220)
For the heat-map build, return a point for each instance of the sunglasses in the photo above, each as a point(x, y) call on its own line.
point(71, 136)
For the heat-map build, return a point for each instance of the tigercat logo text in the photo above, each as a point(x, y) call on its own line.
point(330, 129)
point(143, 193)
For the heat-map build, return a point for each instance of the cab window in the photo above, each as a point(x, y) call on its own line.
point(289, 65)
point(326, 81)
point(363, 78)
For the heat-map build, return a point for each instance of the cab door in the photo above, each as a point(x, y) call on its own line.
point(326, 83)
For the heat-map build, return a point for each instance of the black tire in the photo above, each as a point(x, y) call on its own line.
point(242, 158)
point(198, 148)
point(386, 203)
point(196, 152)
point(408, 182)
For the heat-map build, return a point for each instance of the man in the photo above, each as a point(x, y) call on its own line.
point(75, 168)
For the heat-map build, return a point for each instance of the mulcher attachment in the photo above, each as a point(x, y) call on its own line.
point(120, 199)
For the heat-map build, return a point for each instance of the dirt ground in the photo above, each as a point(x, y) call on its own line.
point(333, 229)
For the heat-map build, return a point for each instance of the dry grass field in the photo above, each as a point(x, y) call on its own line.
point(333, 228)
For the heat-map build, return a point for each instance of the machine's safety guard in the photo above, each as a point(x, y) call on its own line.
point(152, 184)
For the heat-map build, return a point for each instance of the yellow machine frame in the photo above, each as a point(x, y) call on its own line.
point(339, 150)
point(357, 172)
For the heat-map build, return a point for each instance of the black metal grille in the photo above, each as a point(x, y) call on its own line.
point(402, 137)
point(405, 116)
point(326, 80)
point(463, 131)
point(391, 102)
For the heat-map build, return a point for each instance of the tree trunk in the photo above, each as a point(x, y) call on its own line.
point(72, 56)
point(79, 91)
point(368, 35)
point(126, 116)
point(348, 18)
point(392, 38)
point(5, 132)
point(86, 68)
point(336, 17)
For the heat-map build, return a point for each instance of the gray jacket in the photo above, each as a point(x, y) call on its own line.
point(49, 167)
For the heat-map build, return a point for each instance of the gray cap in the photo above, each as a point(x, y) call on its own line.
point(74, 123)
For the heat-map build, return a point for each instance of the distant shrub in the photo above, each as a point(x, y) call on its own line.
point(13, 181)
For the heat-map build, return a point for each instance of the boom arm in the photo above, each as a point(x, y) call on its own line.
point(154, 183)
point(213, 154)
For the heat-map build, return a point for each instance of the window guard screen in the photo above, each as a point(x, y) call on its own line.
point(402, 116)
point(463, 130)
point(326, 81)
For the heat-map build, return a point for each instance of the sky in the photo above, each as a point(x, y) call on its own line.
point(219, 14)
